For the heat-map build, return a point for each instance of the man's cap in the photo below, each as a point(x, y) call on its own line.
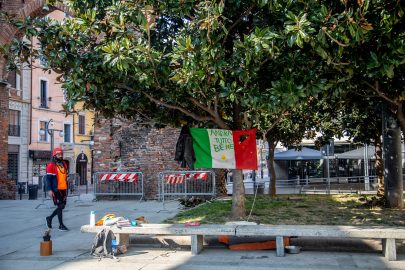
point(57, 151)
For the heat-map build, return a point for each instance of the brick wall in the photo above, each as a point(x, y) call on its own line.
point(7, 186)
point(122, 146)
point(3, 130)
point(7, 33)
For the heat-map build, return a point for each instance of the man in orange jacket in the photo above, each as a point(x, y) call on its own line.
point(56, 175)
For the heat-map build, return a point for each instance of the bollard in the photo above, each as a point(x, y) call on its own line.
point(45, 248)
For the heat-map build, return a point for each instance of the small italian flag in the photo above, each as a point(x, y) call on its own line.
point(228, 149)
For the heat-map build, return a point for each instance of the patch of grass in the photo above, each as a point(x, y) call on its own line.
point(343, 209)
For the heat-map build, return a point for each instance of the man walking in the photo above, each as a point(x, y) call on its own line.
point(56, 175)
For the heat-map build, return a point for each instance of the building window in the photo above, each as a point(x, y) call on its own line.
point(44, 94)
point(15, 81)
point(14, 123)
point(66, 130)
point(82, 124)
point(42, 60)
point(43, 137)
point(12, 170)
point(12, 78)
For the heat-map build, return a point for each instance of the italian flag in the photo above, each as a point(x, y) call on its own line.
point(228, 149)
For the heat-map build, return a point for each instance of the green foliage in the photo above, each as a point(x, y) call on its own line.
point(227, 64)
point(214, 62)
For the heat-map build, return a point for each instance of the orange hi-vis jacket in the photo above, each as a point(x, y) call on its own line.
point(57, 173)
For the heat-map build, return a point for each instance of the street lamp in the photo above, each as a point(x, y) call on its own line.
point(50, 130)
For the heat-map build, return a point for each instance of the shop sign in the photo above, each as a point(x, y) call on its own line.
point(39, 154)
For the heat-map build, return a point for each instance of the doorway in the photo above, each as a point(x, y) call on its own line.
point(81, 168)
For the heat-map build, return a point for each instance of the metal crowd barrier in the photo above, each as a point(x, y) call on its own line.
point(186, 183)
point(74, 186)
point(44, 196)
point(331, 185)
point(118, 183)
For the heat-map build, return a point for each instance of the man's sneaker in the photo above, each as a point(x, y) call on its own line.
point(63, 228)
point(48, 222)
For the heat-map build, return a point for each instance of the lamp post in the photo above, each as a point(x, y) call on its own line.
point(327, 167)
point(366, 171)
point(51, 131)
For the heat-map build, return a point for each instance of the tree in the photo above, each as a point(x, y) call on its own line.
point(364, 43)
point(354, 114)
point(288, 128)
point(201, 62)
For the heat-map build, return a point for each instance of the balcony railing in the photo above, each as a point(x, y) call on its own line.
point(14, 93)
point(14, 130)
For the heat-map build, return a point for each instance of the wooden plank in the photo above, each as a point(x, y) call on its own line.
point(197, 244)
point(322, 231)
point(260, 230)
point(168, 229)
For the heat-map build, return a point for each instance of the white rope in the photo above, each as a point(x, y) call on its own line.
point(257, 186)
point(254, 200)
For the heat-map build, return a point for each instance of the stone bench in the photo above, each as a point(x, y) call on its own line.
point(196, 232)
point(388, 235)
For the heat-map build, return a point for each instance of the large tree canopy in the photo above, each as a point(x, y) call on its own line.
point(229, 64)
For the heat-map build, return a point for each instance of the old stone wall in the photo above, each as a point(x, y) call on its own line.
point(7, 187)
point(18, 9)
point(122, 146)
point(7, 33)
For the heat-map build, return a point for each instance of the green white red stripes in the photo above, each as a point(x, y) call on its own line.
point(229, 149)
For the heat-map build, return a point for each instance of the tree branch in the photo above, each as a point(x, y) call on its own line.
point(376, 89)
point(333, 39)
point(275, 123)
point(236, 23)
point(215, 118)
point(175, 107)
point(201, 106)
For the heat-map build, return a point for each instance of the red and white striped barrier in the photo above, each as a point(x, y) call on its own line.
point(174, 179)
point(186, 183)
point(118, 183)
point(180, 178)
point(123, 177)
point(203, 176)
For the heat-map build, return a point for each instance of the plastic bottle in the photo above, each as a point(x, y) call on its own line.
point(92, 218)
point(114, 246)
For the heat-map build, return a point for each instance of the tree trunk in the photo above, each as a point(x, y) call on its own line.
point(238, 196)
point(220, 182)
point(379, 167)
point(400, 116)
point(238, 188)
point(393, 162)
point(270, 164)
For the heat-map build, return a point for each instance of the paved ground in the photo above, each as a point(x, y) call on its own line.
point(22, 227)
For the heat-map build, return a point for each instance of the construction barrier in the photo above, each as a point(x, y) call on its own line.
point(118, 183)
point(186, 183)
point(44, 197)
point(74, 186)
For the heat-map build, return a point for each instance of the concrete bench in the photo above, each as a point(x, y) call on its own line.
point(388, 235)
point(196, 232)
